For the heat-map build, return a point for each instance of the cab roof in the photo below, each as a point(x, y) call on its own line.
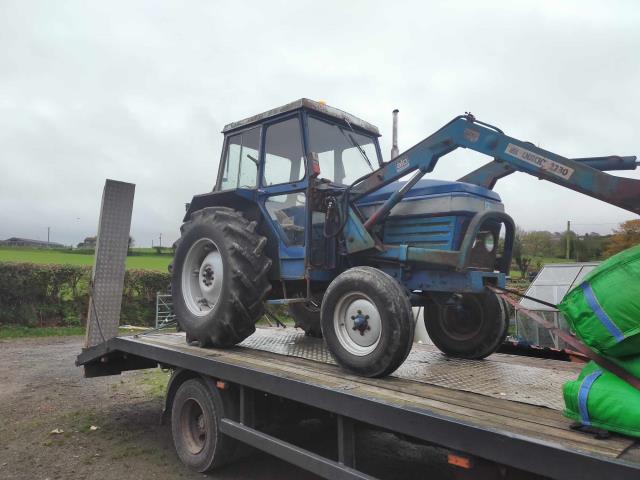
point(309, 105)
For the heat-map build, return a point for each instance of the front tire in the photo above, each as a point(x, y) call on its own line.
point(473, 325)
point(219, 277)
point(367, 322)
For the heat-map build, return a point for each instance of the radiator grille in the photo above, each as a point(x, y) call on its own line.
point(428, 232)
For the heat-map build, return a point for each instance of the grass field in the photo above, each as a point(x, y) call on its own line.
point(147, 261)
point(16, 331)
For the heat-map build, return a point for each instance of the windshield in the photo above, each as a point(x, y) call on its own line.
point(341, 161)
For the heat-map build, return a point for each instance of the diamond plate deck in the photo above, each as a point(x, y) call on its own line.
point(500, 376)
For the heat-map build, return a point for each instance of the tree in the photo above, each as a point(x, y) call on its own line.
point(522, 261)
point(537, 243)
point(589, 247)
point(625, 236)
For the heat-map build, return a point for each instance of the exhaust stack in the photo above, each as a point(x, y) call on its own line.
point(394, 135)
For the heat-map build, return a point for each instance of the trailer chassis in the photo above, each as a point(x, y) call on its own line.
point(469, 444)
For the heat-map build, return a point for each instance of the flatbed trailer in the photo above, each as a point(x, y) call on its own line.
point(501, 415)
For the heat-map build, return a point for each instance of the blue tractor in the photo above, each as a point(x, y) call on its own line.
point(305, 213)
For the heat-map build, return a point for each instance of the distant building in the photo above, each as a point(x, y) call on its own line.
point(27, 242)
point(89, 242)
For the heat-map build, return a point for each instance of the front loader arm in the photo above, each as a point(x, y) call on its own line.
point(509, 154)
point(487, 175)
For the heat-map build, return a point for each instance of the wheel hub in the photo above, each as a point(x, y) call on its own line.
point(193, 426)
point(200, 423)
point(360, 322)
point(207, 276)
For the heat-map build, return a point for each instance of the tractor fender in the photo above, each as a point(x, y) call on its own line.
point(243, 200)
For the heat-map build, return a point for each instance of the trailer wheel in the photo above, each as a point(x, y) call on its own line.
point(219, 277)
point(195, 428)
point(367, 322)
point(473, 325)
point(307, 318)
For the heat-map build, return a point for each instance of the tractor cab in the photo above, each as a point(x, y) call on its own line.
point(270, 149)
point(288, 160)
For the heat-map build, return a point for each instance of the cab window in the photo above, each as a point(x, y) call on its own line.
point(240, 168)
point(288, 211)
point(344, 155)
point(284, 156)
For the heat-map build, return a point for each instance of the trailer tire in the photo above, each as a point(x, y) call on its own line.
point(219, 260)
point(195, 426)
point(307, 318)
point(474, 330)
point(365, 297)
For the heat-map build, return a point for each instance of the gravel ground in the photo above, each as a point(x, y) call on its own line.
point(41, 391)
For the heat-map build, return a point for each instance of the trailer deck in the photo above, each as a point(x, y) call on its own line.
point(506, 409)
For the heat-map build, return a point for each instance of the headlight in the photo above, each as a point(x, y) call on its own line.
point(489, 242)
point(486, 239)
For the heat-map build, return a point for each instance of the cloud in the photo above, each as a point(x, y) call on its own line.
point(139, 91)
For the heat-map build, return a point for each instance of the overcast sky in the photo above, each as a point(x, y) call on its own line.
point(139, 91)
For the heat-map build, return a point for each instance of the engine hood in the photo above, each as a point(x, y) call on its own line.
point(426, 188)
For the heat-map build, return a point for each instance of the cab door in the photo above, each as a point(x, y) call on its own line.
point(282, 192)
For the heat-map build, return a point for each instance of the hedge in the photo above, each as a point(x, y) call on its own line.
point(58, 295)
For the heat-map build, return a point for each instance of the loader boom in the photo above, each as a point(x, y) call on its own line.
point(487, 175)
point(583, 175)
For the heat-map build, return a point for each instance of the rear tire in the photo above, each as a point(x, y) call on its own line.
point(473, 328)
point(219, 277)
point(307, 318)
point(195, 427)
point(367, 322)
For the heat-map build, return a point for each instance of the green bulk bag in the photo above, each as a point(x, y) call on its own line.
point(602, 400)
point(604, 310)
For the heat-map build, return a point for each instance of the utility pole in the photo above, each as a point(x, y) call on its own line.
point(161, 241)
point(48, 236)
point(568, 238)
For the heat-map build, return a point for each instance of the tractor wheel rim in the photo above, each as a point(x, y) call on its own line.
point(202, 276)
point(193, 426)
point(357, 324)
